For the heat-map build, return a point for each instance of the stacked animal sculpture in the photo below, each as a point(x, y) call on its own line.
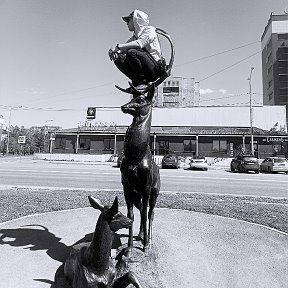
point(89, 265)
point(140, 175)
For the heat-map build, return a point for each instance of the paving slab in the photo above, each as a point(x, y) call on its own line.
point(193, 249)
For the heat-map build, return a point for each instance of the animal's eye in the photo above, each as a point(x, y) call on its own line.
point(140, 100)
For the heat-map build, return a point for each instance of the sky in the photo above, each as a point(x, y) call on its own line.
point(54, 53)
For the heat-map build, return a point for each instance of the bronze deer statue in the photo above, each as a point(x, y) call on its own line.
point(139, 173)
point(90, 265)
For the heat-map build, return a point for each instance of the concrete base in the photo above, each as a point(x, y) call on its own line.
point(192, 250)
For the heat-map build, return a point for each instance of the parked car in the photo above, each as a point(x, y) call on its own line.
point(245, 163)
point(199, 163)
point(120, 159)
point(171, 161)
point(274, 164)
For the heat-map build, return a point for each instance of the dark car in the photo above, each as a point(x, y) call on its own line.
point(245, 163)
point(171, 161)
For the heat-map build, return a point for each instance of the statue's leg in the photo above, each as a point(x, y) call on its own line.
point(139, 206)
point(152, 201)
point(126, 279)
point(130, 214)
point(144, 215)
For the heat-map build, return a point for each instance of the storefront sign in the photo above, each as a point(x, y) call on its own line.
point(96, 125)
point(275, 139)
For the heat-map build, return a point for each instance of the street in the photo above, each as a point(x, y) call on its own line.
point(25, 172)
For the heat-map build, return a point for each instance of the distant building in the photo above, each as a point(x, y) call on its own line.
point(177, 92)
point(275, 61)
point(192, 131)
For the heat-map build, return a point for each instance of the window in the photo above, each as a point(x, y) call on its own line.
point(60, 143)
point(109, 144)
point(189, 145)
point(84, 143)
point(283, 36)
point(69, 144)
point(219, 146)
point(163, 147)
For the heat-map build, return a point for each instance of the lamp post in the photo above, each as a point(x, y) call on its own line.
point(251, 112)
point(45, 134)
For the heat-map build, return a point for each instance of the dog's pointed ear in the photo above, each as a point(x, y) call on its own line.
point(114, 208)
point(96, 204)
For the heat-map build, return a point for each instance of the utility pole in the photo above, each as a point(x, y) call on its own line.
point(8, 132)
point(44, 138)
point(251, 113)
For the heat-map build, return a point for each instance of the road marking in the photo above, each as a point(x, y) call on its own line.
point(59, 171)
point(163, 176)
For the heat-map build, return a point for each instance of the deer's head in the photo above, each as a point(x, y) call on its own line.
point(115, 219)
point(139, 105)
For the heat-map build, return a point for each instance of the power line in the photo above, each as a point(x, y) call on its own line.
point(216, 54)
point(112, 83)
point(218, 72)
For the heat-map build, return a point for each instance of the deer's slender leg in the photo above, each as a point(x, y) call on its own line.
point(144, 221)
point(130, 215)
point(139, 206)
point(152, 201)
point(126, 279)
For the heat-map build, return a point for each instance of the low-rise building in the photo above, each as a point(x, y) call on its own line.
point(198, 131)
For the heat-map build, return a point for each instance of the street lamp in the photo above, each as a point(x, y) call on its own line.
point(45, 133)
point(251, 112)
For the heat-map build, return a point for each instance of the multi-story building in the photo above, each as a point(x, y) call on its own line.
point(275, 61)
point(177, 92)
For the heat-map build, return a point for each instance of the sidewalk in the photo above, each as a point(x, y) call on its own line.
point(192, 249)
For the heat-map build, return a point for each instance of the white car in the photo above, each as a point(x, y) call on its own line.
point(274, 164)
point(199, 163)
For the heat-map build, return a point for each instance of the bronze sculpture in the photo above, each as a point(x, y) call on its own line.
point(140, 174)
point(89, 264)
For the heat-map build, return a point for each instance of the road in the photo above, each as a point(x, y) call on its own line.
point(23, 172)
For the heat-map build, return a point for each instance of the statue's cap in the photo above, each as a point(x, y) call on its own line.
point(127, 18)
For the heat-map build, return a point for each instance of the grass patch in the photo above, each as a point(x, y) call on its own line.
point(267, 211)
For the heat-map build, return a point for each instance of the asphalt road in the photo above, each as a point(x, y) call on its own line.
point(25, 172)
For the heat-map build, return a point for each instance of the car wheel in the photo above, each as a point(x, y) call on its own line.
point(232, 169)
point(269, 169)
point(257, 172)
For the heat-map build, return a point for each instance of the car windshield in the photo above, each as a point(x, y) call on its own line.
point(250, 159)
point(170, 157)
point(280, 160)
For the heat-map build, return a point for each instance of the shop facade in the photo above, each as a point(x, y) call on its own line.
point(186, 141)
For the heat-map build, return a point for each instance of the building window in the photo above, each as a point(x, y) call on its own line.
point(283, 37)
point(69, 144)
point(283, 91)
point(189, 145)
point(109, 144)
point(219, 146)
point(84, 143)
point(163, 147)
point(60, 143)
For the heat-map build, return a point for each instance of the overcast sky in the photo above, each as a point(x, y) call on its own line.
point(54, 61)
